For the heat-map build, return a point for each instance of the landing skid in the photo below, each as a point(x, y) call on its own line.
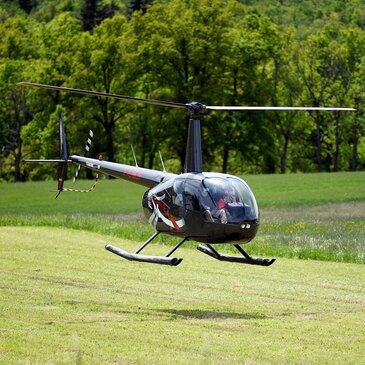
point(161, 260)
point(244, 259)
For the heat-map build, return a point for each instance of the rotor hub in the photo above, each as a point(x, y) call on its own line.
point(196, 108)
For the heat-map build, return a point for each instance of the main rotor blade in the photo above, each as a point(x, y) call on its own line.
point(178, 105)
point(276, 108)
point(106, 95)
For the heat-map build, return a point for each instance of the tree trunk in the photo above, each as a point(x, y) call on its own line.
point(284, 154)
point(109, 145)
point(318, 143)
point(355, 141)
point(337, 145)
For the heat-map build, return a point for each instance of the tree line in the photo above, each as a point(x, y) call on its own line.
point(218, 52)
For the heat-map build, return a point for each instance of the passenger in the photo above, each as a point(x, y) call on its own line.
point(206, 203)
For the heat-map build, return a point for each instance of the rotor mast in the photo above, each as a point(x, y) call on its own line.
point(193, 154)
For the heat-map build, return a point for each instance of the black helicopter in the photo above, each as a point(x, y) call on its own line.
point(199, 206)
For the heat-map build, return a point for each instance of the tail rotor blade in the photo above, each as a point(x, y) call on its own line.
point(62, 166)
point(63, 144)
point(62, 173)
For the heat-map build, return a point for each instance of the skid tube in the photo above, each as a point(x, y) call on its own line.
point(244, 259)
point(161, 260)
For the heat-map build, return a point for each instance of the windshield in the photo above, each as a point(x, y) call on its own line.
point(228, 200)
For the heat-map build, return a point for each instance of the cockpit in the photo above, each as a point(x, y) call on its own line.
point(214, 198)
point(222, 199)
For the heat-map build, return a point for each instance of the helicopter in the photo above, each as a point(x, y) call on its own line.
point(205, 207)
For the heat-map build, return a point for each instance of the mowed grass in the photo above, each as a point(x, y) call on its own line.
point(66, 300)
point(38, 198)
point(308, 216)
point(307, 189)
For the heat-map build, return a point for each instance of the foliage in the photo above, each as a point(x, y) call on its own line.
point(220, 52)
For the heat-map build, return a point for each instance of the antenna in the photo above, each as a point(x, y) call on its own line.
point(163, 165)
point(134, 156)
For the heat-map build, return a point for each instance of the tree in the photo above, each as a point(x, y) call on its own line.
point(15, 113)
point(93, 12)
point(354, 39)
point(183, 56)
point(138, 5)
point(27, 5)
point(324, 76)
point(15, 50)
point(98, 65)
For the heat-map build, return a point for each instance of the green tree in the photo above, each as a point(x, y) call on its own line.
point(56, 48)
point(14, 114)
point(98, 65)
point(183, 56)
point(354, 40)
point(16, 48)
point(324, 76)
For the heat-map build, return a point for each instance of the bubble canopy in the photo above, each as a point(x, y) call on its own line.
point(229, 200)
point(220, 198)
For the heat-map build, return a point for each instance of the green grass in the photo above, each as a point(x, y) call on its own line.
point(118, 196)
point(307, 189)
point(66, 300)
point(38, 198)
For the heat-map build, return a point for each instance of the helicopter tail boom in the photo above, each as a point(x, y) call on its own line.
point(138, 175)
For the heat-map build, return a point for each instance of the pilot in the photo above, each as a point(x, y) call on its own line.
point(229, 197)
point(218, 210)
point(222, 212)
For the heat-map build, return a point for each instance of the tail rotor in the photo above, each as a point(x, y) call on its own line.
point(62, 165)
point(86, 150)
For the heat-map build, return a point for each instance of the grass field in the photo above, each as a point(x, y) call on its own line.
point(66, 300)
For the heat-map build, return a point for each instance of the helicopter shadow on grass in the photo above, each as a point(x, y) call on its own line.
point(209, 314)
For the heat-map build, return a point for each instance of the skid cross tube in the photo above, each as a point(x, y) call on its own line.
point(161, 260)
point(148, 241)
point(244, 259)
point(177, 246)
